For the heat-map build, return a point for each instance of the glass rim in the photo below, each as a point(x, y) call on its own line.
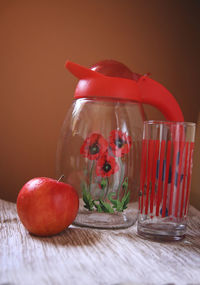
point(160, 122)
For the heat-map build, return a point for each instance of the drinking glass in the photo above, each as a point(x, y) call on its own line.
point(166, 168)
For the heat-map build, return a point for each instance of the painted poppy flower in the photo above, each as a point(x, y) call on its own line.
point(106, 165)
point(119, 143)
point(94, 146)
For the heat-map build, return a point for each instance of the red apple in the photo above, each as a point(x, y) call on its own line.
point(46, 206)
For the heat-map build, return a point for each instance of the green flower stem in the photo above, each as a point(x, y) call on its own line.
point(91, 172)
point(121, 178)
point(125, 192)
point(107, 188)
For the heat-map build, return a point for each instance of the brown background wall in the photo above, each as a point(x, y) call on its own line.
point(36, 37)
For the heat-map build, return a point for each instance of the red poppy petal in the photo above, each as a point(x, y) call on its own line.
point(124, 148)
point(109, 160)
point(96, 139)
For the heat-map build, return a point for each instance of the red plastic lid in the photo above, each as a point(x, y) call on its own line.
point(110, 67)
point(145, 90)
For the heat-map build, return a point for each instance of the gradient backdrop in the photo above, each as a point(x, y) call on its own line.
point(36, 37)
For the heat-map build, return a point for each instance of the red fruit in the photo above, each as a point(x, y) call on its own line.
point(46, 206)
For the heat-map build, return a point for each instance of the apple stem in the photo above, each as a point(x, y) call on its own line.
point(61, 177)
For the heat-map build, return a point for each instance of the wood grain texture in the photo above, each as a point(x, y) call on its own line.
point(89, 256)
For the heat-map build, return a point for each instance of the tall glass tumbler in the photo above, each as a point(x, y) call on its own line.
point(166, 168)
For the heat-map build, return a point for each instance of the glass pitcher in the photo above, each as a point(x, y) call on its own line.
point(99, 148)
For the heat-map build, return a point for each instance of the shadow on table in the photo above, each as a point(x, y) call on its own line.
point(72, 237)
point(191, 241)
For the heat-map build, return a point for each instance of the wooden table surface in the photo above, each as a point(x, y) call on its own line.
point(89, 256)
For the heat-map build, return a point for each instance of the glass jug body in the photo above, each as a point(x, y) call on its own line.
point(99, 154)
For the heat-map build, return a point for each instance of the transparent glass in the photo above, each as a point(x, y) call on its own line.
point(99, 154)
point(165, 178)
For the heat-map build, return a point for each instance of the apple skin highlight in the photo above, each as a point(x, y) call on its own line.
point(46, 207)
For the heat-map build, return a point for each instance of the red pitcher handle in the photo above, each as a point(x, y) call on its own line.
point(155, 94)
